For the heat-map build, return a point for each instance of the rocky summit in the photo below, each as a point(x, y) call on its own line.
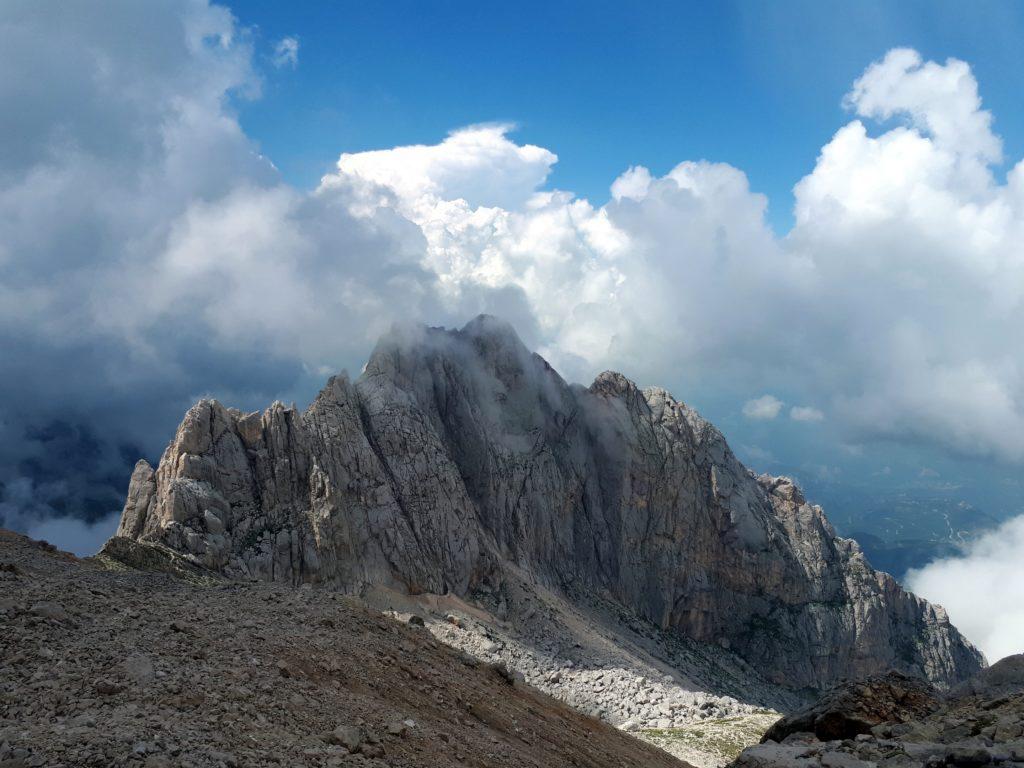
point(460, 462)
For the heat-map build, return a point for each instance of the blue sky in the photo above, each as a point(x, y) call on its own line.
point(605, 85)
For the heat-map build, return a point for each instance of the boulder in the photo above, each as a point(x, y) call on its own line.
point(348, 736)
point(1004, 678)
point(853, 708)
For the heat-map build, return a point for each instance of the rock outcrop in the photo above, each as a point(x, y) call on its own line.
point(456, 453)
point(855, 707)
point(893, 722)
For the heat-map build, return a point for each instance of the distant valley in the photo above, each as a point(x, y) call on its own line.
point(903, 529)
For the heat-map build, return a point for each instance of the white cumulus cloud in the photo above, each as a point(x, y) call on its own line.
point(478, 165)
point(913, 247)
point(765, 407)
point(982, 590)
point(941, 100)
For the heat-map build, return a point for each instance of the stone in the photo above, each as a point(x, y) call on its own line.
point(107, 687)
point(213, 523)
point(372, 751)
point(841, 760)
point(439, 468)
point(397, 729)
point(50, 610)
point(968, 756)
point(224, 758)
point(858, 707)
point(348, 736)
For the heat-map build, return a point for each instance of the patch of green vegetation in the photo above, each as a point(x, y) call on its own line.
point(718, 740)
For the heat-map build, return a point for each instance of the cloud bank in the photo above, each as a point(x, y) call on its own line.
point(983, 590)
point(149, 254)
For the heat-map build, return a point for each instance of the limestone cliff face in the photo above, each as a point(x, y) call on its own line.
point(456, 452)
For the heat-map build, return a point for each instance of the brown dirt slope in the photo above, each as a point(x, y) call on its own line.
point(103, 667)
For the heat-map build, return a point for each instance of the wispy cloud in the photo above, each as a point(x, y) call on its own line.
point(805, 413)
point(286, 52)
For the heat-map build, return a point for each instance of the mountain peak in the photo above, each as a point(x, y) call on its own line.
point(460, 461)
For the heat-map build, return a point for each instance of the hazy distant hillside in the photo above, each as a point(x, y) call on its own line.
point(901, 529)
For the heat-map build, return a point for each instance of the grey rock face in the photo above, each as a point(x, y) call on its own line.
point(458, 452)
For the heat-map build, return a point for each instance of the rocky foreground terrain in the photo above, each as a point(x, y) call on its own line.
point(162, 664)
point(105, 666)
point(459, 462)
point(895, 721)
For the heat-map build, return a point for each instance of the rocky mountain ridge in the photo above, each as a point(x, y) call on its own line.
point(458, 458)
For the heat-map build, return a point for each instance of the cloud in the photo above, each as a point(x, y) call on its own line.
point(890, 300)
point(286, 52)
point(940, 100)
point(982, 590)
point(911, 239)
point(478, 165)
point(766, 407)
point(805, 413)
point(149, 254)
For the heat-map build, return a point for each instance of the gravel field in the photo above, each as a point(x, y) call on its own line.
point(104, 667)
